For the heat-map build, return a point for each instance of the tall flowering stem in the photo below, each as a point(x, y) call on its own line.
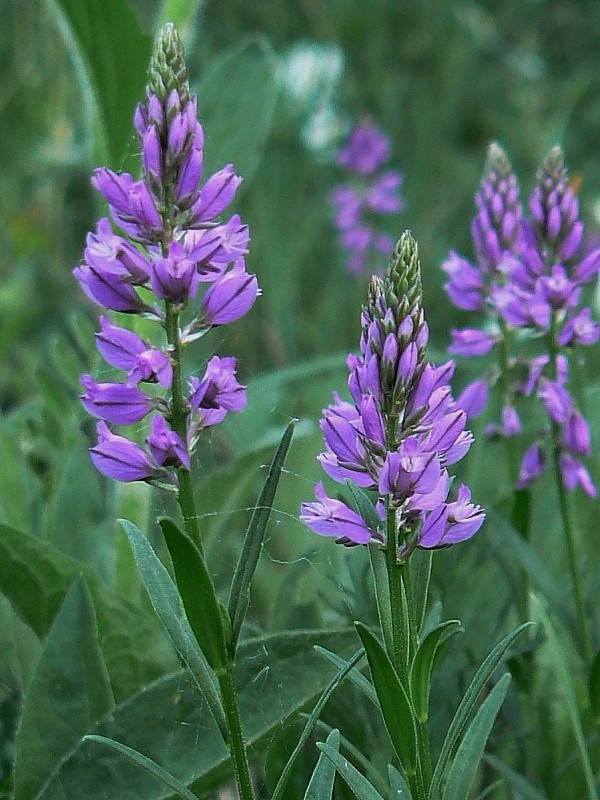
point(170, 241)
point(528, 280)
point(395, 440)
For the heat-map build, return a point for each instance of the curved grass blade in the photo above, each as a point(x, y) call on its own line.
point(423, 664)
point(468, 756)
point(253, 541)
point(312, 721)
point(395, 706)
point(145, 763)
point(568, 693)
point(357, 678)
point(198, 594)
point(359, 785)
point(320, 786)
point(467, 704)
point(168, 605)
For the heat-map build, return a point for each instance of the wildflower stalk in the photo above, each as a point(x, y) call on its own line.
point(236, 744)
point(568, 525)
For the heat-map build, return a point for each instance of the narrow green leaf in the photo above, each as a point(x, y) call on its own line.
point(517, 782)
point(421, 564)
point(145, 763)
point(467, 705)
point(398, 785)
point(311, 722)
point(594, 686)
point(254, 538)
point(466, 761)
point(489, 790)
point(357, 678)
point(68, 694)
point(363, 505)
point(423, 663)
point(320, 786)
point(168, 605)
point(111, 55)
point(395, 706)
point(198, 594)
point(568, 694)
point(382, 594)
point(358, 784)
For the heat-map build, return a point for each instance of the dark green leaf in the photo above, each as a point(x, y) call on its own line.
point(466, 761)
point(363, 505)
point(69, 692)
point(423, 663)
point(254, 538)
point(382, 594)
point(198, 594)
point(420, 564)
point(320, 786)
point(111, 54)
point(360, 786)
point(311, 722)
point(168, 605)
point(398, 785)
point(467, 704)
point(36, 577)
point(594, 686)
point(145, 763)
point(522, 786)
point(357, 678)
point(395, 706)
point(236, 99)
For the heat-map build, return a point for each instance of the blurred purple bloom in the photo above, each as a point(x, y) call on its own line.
point(473, 398)
point(365, 150)
point(579, 329)
point(576, 435)
point(470, 342)
point(532, 465)
point(556, 400)
point(574, 474)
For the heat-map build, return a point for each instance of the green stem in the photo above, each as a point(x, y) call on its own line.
point(237, 747)
point(178, 421)
point(400, 654)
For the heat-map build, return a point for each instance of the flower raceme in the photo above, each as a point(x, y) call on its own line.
point(370, 195)
point(164, 241)
point(528, 278)
point(401, 430)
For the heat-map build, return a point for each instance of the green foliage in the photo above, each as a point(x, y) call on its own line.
point(320, 786)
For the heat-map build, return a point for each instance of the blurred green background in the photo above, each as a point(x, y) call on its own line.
point(279, 83)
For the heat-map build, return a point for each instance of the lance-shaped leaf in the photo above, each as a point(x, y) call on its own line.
point(311, 722)
point(398, 785)
point(169, 608)
point(320, 786)
point(467, 704)
point(198, 594)
point(395, 706)
point(382, 594)
point(68, 694)
point(521, 785)
point(594, 686)
point(360, 786)
point(357, 678)
point(145, 763)
point(466, 761)
point(253, 541)
point(424, 662)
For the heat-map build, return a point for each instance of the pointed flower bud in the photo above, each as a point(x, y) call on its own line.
point(122, 460)
point(114, 402)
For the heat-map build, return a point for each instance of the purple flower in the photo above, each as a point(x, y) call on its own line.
point(576, 435)
point(166, 446)
point(122, 460)
point(452, 522)
point(229, 297)
point(579, 329)
point(329, 517)
point(532, 465)
point(216, 194)
point(114, 402)
point(465, 285)
point(575, 474)
point(175, 277)
point(383, 195)
point(125, 350)
point(470, 342)
point(473, 398)
point(556, 400)
point(218, 392)
point(365, 150)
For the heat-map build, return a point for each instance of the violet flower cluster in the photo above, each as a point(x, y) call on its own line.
point(528, 278)
point(402, 429)
point(369, 195)
point(164, 243)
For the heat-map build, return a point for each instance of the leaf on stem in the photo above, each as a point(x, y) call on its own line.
point(395, 706)
point(254, 538)
point(320, 786)
point(357, 678)
point(398, 785)
point(424, 662)
point(198, 594)
point(359, 785)
point(145, 763)
point(169, 608)
point(466, 761)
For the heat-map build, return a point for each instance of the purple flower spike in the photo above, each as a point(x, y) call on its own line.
point(122, 460)
point(230, 297)
point(329, 517)
point(167, 446)
point(470, 342)
point(576, 435)
point(575, 474)
point(532, 465)
point(365, 151)
point(114, 402)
